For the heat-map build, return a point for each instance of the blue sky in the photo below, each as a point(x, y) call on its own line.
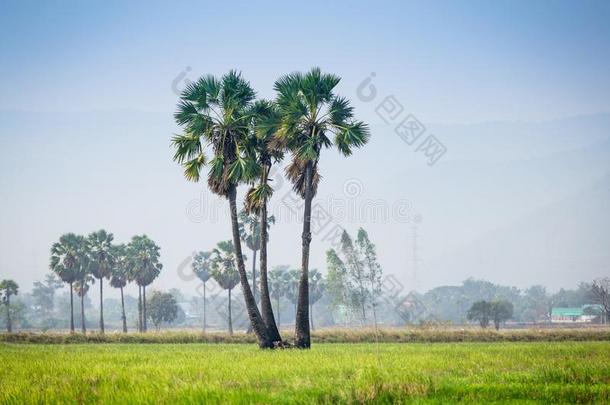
point(516, 91)
point(453, 62)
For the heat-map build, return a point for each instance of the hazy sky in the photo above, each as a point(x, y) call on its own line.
point(517, 92)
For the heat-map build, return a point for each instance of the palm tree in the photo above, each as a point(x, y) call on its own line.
point(224, 272)
point(102, 261)
point(144, 267)
point(265, 123)
point(201, 267)
point(292, 287)
point(217, 114)
point(120, 275)
point(65, 263)
point(310, 114)
point(8, 288)
point(81, 287)
point(278, 283)
point(317, 286)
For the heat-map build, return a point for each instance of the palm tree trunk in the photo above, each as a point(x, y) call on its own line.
point(101, 305)
point(71, 308)
point(204, 314)
point(139, 308)
point(123, 312)
point(302, 332)
point(230, 317)
point(9, 326)
point(266, 308)
point(144, 323)
point(258, 325)
point(82, 308)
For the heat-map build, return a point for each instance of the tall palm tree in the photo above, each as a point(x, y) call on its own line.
point(120, 275)
point(317, 285)
point(81, 287)
point(102, 262)
point(65, 263)
point(224, 272)
point(293, 277)
point(145, 267)
point(260, 143)
point(217, 114)
point(202, 268)
point(7, 289)
point(278, 284)
point(313, 117)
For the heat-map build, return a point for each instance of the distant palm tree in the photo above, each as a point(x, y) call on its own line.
point(224, 272)
point(65, 263)
point(144, 267)
point(217, 113)
point(292, 287)
point(278, 284)
point(102, 261)
point(81, 287)
point(7, 289)
point(317, 285)
point(120, 276)
point(310, 114)
point(202, 268)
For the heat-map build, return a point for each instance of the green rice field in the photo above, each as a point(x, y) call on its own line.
point(568, 372)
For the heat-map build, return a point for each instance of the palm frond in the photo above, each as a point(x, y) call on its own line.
point(295, 172)
point(192, 167)
point(352, 136)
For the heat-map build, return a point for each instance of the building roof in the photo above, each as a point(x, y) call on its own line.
point(567, 312)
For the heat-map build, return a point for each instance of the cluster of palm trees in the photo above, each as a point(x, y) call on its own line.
point(284, 283)
point(245, 137)
point(219, 264)
point(79, 261)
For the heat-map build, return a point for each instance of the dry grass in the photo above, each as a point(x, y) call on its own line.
point(386, 335)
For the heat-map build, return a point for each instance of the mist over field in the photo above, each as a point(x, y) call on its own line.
point(516, 203)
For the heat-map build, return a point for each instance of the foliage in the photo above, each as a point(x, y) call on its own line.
point(497, 311)
point(225, 273)
point(317, 286)
point(501, 311)
point(480, 311)
point(600, 294)
point(8, 288)
point(279, 281)
point(216, 114)
point(68, 258)
point(223, 265)
point(119, 274)
point(162, 307)
point(313, 117)
point(144, 264)
point(202, 266)
point(100, 250)
point(354, 281)
point(42, 306)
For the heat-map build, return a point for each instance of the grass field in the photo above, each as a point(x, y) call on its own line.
point(386, 373)
point(329, 335)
